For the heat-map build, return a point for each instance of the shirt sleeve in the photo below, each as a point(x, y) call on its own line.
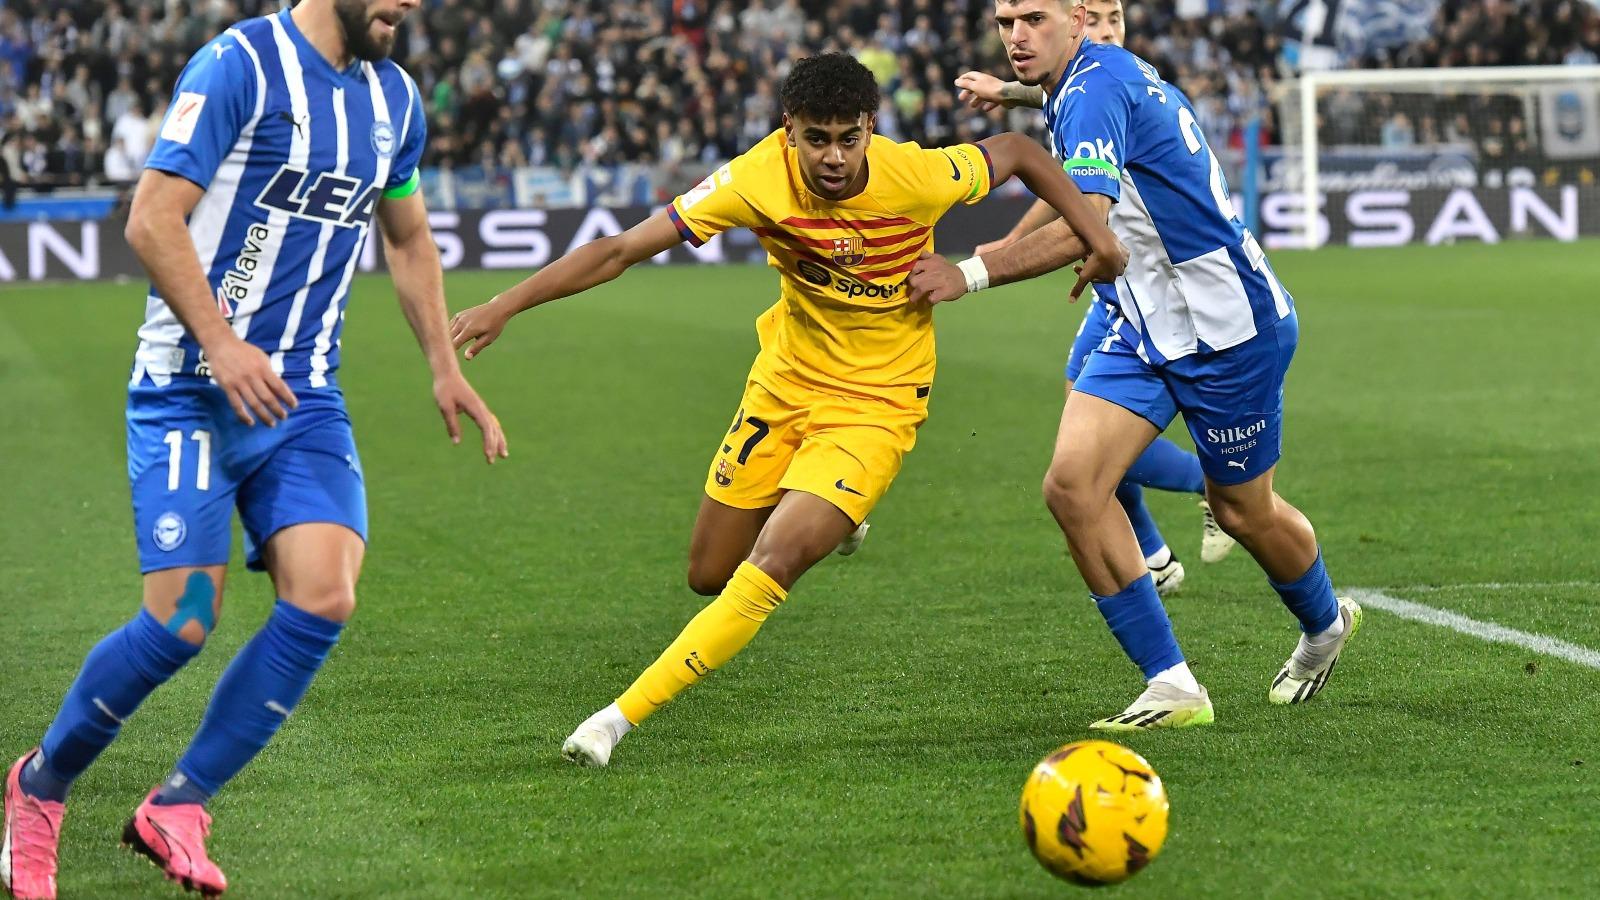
point(403, 177)
point(960, 174)
point(214, 99)
point(712, 207)
point(1093, 131)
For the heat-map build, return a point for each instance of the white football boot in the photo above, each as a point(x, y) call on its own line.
point(592, 742)
point(1306, 672)
point(1162, 705)
point(1169, 577)
point(1214, 542)
point(853, 543)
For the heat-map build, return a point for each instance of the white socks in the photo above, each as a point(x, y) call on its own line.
point(1331, 633)
point(1159, 559)
point(611, 719)
point(1179, 677)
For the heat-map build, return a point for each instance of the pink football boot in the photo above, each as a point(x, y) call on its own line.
point(174, 838)
point(32, 835)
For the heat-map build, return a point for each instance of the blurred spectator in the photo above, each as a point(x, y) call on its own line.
point(681, 83)
point(121, 166)
point(1397, 132)
point(131, 131)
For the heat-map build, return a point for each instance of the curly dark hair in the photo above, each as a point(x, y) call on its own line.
point(830, 87)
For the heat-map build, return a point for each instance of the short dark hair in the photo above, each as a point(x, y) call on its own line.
point(830, 87)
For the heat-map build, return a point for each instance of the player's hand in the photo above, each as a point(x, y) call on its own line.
point(480, 325)
point(992, 246)
point(244, 372)
point(934, 279)
point(981, 91)
point(455, 396)
point(1102, 266)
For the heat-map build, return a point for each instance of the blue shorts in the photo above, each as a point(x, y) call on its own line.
point(1232, 400)
point(1091, 334)
point(191, 462)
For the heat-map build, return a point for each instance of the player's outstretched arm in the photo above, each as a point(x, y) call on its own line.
point(1017, 154)
point(158, 232)
point(1044, 251)
point(1038, 215)
point(595, 263)
point(1081, 233)
point(413, 260)
point(984, 92)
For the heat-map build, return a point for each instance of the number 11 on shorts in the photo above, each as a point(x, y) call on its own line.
point(174, 442)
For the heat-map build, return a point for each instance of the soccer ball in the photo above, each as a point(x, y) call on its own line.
point(1094, 812)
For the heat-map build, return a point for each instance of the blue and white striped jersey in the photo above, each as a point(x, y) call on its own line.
point(293, 156)
point(1197, 280)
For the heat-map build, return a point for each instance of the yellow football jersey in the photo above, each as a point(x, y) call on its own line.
point(842, 321)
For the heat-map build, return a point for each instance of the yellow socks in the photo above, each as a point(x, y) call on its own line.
point(711, 638)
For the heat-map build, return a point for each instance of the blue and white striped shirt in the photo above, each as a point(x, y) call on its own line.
point(1197, 280)
point(293, 156)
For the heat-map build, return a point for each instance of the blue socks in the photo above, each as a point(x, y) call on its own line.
point(117, 675)
point(1131, 496)
point(1164, 466)
point(1167, 467)
point(1140, 624)
point(1311, 598)
point(261, 687)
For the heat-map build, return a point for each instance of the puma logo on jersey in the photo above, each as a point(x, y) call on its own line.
point(299, 124)
point(1235, 462)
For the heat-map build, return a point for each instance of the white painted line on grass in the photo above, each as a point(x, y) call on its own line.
point(1497, 586)
point(1488, 631)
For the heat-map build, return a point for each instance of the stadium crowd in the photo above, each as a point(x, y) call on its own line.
point(675, 83)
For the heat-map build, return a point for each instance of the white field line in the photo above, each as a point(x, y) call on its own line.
point(1487, 631)
point(1497, 586)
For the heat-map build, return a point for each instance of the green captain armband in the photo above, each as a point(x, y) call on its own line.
point(404, 189)
point(1088, 165)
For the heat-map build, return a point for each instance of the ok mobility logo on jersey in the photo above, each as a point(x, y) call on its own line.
point(1094, 158)
point(330, 199)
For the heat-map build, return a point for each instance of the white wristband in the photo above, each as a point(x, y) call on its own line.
point(976, 272)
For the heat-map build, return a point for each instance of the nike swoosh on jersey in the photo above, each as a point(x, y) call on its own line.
point(846, 488)
point(955, 172)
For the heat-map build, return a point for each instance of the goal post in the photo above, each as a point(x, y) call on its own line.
point(1525, 140)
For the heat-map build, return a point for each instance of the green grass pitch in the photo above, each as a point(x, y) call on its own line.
point(1441, 431)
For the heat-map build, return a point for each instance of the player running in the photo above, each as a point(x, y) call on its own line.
point(1202, 327)
point(287, 135)
point(841, 384)
point(1163, 465)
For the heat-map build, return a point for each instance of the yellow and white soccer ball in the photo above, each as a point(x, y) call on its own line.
point(1094, 812)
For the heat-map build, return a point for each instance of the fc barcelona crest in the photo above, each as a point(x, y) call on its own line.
point(848, 251)
point(724, 474)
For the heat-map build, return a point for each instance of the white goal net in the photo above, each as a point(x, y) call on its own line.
point(1394, 156)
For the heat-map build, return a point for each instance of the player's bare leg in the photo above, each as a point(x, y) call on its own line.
point(1096, 443)
point(173, 593)
point(1164, 565)
point(1283, 543)
point(180, 609)
point(802, 530)
point(723, 537)
point(314, 568)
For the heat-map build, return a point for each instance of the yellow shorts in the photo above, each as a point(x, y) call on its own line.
point(786, 437)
